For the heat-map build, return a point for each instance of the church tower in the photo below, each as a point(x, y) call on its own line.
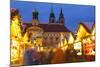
point(61, 17)
point(35, 20)
point(52, 17)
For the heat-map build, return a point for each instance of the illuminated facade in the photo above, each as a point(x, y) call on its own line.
point(50, 34)
point(82, 40)
point(43, 37)
point(36, 35)
point(89, 43)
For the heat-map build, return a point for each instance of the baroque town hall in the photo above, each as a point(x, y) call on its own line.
point(51, 34)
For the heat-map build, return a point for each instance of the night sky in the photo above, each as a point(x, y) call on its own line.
point(73, 13)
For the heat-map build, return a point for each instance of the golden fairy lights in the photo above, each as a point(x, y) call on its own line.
point(16, 38)
point(84, 41)
point(15, 28)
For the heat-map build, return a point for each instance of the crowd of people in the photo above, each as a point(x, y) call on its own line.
point(33, 57)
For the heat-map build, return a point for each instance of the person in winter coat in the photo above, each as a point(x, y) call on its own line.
point(31, 57)
point(58, 56)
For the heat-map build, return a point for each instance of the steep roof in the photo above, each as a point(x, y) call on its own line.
point(48, 27)
point(82, 31)
point(85, 26)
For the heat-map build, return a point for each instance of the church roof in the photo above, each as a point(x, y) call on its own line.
point(48, 27)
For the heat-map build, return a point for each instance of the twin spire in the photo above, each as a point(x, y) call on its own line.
point(52, 19)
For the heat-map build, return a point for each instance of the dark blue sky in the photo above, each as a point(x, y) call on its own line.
point(73, 13)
